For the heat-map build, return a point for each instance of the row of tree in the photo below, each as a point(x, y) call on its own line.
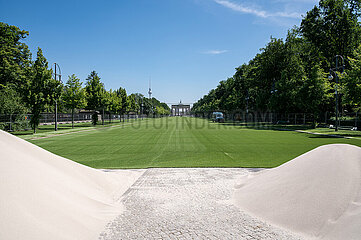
point(292, 75)
point(94, 97)
point(28, 86)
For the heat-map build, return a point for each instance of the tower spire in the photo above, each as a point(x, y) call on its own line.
point(150, 89)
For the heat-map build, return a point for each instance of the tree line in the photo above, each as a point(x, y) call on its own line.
point(28, 86)
point(293, 75)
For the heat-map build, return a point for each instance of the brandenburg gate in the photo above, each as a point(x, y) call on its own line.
point(180, 109)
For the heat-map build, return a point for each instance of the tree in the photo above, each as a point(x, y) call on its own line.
point(11, 101)
point(165, 107)
point(352, 81)
point(139, 99)
point(55, 91)
point(289, 76)
point(131, 104)
point(38, 88)
point(122, 94)
point(12, 105)
point(333, 28)
point(315, 94)
point(114, 103)
point(74, 95)
point(95, 94)
point(147, 105)
point(15, 57)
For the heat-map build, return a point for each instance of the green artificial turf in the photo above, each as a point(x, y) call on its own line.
point(183, 142)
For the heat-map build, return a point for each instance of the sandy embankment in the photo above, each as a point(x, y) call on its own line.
point(317, 194)
point(44, 196)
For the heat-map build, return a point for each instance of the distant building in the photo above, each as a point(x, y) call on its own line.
point(180, 109)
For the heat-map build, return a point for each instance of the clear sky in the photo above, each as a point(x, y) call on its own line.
point(185, 46)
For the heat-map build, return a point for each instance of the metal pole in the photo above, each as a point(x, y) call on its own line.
point(356, 120)
point(56, 115)
point(56, 105)
point(336, 127)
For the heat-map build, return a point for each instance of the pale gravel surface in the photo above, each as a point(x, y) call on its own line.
point(187, 204)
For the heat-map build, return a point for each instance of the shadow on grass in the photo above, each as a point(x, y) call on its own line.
point(21, 133)
point(267, 126)
point(324, 136)
point(284, 127)
point(333, 135)
point(61, 127)
point(352, 135)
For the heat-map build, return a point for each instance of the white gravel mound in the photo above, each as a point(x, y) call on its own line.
point(44, 196)
point(317, 194)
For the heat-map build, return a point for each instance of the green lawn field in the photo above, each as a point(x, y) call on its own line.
point(183, 142)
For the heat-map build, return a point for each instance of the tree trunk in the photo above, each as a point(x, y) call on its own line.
point(72, 118)
point(10, 122)
point(94, 118)
point(103, 117)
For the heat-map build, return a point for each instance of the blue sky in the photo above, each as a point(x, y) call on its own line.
point(185, 46)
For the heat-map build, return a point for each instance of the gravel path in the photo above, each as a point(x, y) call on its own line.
point(187, 204)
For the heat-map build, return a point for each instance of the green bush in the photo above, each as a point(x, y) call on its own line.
point(3, 126)
point(314, 124)
point(20, 123)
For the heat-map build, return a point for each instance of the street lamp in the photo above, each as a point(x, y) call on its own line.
point(247, 99)
point(330, 77)
point(56, 66)
point(141, 112)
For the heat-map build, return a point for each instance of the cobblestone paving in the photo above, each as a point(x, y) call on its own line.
point(187, 204)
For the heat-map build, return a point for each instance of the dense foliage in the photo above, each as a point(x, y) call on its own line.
point(74, 95)
point(15, 57)
point(291, 75)
point(38, 88)
point(352, 80)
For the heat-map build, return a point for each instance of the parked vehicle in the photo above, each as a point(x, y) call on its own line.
point(217, 117)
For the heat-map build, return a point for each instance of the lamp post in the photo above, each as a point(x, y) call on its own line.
point(141, 111)
point(56, 100)
point(247, 99)
point(334, 72)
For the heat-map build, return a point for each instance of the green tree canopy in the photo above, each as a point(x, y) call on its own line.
point(352, 80)
point(74, 95)
point(122, 94)
point(15, 57)
point(290, 76)
point(131, 104)
point(333, 28)
point(114, 103)
point(10, 101)
point(95, 92)
point(38, 88)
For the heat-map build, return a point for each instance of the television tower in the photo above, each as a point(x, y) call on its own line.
point(150, 89)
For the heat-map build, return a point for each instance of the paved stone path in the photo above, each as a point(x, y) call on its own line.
point(187, 204)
